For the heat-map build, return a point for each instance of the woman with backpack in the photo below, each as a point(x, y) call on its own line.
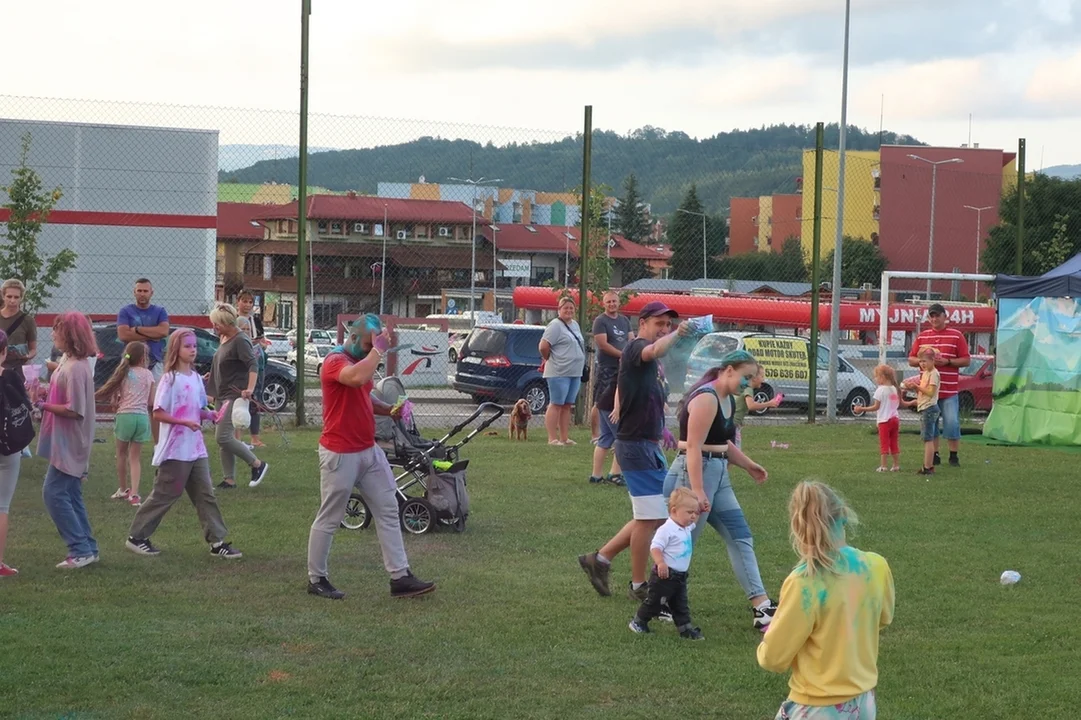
point(16, 432)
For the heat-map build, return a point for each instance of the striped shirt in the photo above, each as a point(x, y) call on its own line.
point(952, 344)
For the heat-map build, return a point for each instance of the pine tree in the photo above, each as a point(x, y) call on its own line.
point(631, 217)
point(685, 234)
point(29, 205)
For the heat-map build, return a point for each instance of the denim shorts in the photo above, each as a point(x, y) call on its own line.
point(607, 438)
point(644, 469)
point(929, 423)
point(563, 390)
point(951, 417)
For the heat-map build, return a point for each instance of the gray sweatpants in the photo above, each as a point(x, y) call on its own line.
point(9, 478)
point(174, 477)
point(370, 473)
point(229, 448)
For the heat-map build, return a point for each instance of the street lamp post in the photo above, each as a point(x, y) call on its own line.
point(495, 301)
point(934, 185)
point(705, 272)
point(979, 240)
point(383, 264)
point(473, 244)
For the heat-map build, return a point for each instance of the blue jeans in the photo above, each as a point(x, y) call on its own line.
point(563, 390)
point(726, 517)
point(951, 418)
point(63, 495)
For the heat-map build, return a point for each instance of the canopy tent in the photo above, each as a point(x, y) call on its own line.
point(1037, 387)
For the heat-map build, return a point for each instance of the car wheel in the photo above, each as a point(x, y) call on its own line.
point(856, 398)
point(276, 394)
point(319, 367)
point(763, 395)
point(537, 397)
point(452, 356)
point(966, 404)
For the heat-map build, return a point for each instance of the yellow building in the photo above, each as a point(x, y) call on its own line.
point(861, 197)
point(765, 223)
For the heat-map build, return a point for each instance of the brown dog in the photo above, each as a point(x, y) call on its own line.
point(519, 421)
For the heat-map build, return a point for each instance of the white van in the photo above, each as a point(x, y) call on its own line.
point(459, 327)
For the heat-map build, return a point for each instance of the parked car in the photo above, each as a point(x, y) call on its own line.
point(785, 360)
point(501, 363)
point(314, 354)
point(313, 336)
point(974, 384)
point(457, 340)
point(278, 346)
point(279, 380)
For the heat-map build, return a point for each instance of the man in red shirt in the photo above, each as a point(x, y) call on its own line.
point(348, 457)
point(953, 355)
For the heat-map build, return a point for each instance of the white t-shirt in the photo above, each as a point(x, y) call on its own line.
point(183, 397)
point(675, 544)
point(888, 402)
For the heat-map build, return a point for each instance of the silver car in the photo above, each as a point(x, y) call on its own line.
point(787, 368)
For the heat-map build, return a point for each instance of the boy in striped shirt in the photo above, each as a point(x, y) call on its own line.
point(953, 355)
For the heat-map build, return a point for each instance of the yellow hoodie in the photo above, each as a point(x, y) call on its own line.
point(826, 629)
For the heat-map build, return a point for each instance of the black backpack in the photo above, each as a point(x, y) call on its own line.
point(16, 424)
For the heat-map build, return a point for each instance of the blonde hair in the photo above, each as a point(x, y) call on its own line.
point(889, 375)
point(682, 497)
point(224, 314)
point(135, 354)
point(172, 349)
point(818, 517)
point(13, 283)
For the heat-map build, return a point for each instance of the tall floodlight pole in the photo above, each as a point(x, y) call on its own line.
point(835, 287)
point(979, 241)
point(934, 188)
point(473, 246)
point(383, 265)
point(302, 207)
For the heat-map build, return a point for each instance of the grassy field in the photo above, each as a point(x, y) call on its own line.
point(514, 630)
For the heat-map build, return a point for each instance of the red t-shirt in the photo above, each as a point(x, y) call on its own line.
point(952, 344)
point(348, 421)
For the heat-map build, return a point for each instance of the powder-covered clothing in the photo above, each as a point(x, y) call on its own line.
point(135, 392)
point(925, 401)
point(675, 543)
point(183, 397)
point(951, 344)
point(65, 442)
point(889, 402)
point(826, 628)
point(641, 395)
point(151, 316)
point(348, 420)
point(567, 357)
point(232, 363)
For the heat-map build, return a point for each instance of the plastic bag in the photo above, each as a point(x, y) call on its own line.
point(701, 325)
point(241, 414)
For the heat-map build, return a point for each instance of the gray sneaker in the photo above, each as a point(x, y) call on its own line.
point(597, 572)
point(640, 594)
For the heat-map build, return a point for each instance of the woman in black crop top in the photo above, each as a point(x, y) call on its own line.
point(707, 431)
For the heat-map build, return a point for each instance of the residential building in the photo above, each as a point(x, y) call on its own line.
point(238, 229)
point(861, 197)
point(742, 224)
point(763, 223)
point(966, 176)
point(425, 244)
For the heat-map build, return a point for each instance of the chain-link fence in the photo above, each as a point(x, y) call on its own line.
point(439, 226)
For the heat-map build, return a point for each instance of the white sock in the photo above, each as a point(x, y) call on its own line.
point(635, 585)
point(603, 560)
point(762, 605)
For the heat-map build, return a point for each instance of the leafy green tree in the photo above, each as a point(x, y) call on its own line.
point(1052, 227)
point(29, 205)
point(861, 262)
point(631, 217)
point(792, 267)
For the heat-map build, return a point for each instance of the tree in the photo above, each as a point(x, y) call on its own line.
point(631, 217)
point(685, 234)
point(29, 205)
point(1052, 228)
point(792, 267)
point(861, 263)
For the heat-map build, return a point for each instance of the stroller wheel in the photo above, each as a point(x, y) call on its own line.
point(357, 515)
point(417, 516)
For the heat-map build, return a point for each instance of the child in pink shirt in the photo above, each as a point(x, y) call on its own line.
point(130, 390)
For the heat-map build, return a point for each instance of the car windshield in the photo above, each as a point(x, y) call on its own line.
point(975, 367)
point(714, 346)
point(485, 341)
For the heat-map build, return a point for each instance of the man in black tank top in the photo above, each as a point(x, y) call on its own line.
point(639, 408)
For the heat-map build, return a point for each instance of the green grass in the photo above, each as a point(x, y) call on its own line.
point(514, 630)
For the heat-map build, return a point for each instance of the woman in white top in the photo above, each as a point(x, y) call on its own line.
point(564, 351)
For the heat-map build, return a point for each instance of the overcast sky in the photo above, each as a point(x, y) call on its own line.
point(700, 66)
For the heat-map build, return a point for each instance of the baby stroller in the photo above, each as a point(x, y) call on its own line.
point(429, 475)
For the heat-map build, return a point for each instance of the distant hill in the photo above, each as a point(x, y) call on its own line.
point(1066, 172)
point(741, 163)
point(232, 157)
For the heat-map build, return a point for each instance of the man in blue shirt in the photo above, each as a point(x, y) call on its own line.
point(146, 323)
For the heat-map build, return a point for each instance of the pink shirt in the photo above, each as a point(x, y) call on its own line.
point(135, 392)
point(65, 442)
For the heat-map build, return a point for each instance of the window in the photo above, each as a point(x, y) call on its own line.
point(253, 264)
point(516, 213)
point(336, 228)
point(715, 346)
point(542, 275)
point(283, 224)
point(285, 315)
point(293, 228)
point(322, 227)
point(483, 341)
point(824, 358)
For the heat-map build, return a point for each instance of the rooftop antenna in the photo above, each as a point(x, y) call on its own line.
point(881, 118)
point(969, 130)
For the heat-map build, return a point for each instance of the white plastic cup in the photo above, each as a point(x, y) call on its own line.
point(1010, 577)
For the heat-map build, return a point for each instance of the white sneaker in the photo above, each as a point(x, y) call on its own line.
point(120, 494)
point(74, 563)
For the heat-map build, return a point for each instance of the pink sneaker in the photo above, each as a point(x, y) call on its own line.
point(7, 571)
point(135, 500)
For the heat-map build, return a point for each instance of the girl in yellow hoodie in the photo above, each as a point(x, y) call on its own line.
point(831, 609)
